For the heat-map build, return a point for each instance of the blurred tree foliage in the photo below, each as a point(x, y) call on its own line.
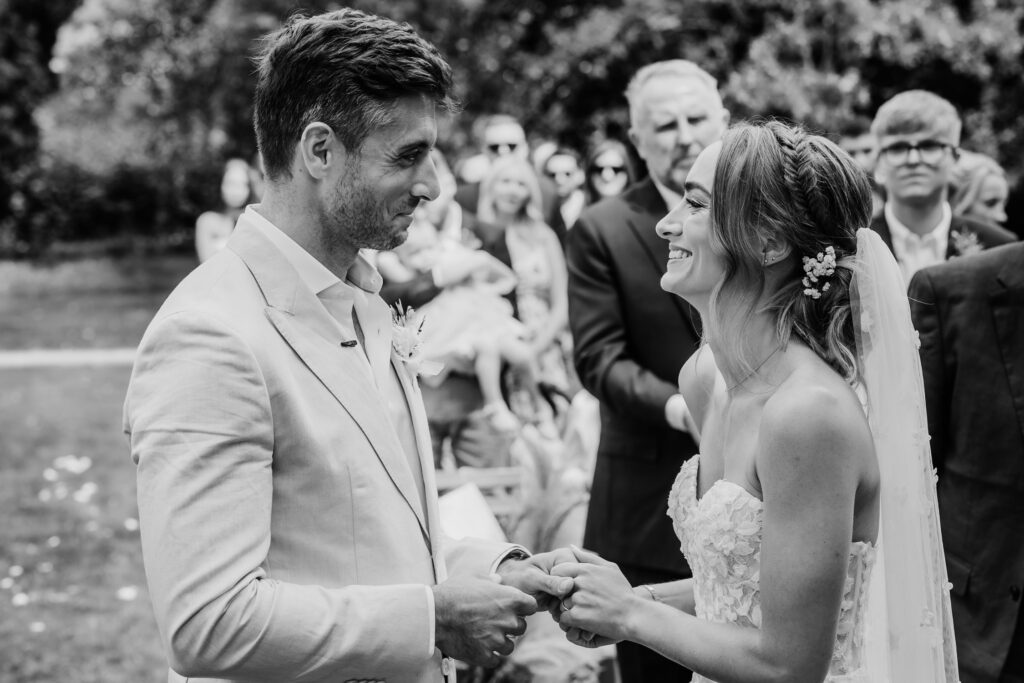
point(155, 94)
point(28, 31)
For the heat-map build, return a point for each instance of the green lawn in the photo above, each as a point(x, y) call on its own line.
point(93, 303)
point(73, 601)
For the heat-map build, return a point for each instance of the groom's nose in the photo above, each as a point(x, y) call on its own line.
point(427, 185)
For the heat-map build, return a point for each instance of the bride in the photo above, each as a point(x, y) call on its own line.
point(809, 516)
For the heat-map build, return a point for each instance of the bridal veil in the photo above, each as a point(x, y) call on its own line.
point(909, 627)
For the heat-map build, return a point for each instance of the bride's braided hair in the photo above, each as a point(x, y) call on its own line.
point(787, 187)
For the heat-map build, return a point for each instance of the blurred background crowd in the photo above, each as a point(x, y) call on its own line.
point(119, 115)
point(127, 136)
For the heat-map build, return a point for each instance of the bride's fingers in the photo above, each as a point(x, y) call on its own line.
point(588, 556)
point(570, 569)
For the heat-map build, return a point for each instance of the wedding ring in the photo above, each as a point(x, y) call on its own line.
point(564, 607)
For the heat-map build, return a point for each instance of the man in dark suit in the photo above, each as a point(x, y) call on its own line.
point(632, 338)
point(970, 314)
point(918, 136)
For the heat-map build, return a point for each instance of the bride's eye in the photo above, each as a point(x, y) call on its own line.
point(693, 203)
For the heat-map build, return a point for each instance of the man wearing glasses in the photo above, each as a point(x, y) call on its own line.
point(918, 138)
point(565, 170)
point(501, 134)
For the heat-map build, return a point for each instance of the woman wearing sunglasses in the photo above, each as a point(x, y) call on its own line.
point(609, 171)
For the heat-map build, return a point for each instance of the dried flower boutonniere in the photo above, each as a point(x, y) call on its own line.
point(406, 334)
point(966, 242)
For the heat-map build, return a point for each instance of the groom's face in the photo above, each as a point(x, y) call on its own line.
point(372, 201)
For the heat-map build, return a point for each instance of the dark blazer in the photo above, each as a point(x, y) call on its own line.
point(970, 315)
point(988, 235)
point(631, 339)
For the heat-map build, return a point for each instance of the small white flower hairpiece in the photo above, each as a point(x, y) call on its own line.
point(821, 266)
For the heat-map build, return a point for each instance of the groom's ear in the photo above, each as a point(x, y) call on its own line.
point(320, 150)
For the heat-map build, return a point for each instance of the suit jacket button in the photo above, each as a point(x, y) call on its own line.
point(1015, 593)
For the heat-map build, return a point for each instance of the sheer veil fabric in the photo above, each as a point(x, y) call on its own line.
point(909, 624)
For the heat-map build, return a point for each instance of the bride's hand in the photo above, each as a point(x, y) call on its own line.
point(602, 601)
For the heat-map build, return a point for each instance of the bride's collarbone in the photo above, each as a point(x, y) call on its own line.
point(729, 448)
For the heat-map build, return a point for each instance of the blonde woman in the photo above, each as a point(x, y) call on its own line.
point(510, 198)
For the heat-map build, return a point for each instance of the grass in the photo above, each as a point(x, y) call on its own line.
point(92, 303)
point(73, 600)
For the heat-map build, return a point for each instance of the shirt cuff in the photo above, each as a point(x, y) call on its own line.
point(677, 414)
point(432, 625)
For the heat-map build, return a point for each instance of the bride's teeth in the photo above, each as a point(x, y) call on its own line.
point(677, 253)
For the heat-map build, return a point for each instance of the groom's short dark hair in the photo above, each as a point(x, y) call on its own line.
point(346, 69)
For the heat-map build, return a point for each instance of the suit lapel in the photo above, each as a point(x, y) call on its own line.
point(425, 450)
point(880, 226)
point(303, 322)
point(649, 208)
point(1007, 301)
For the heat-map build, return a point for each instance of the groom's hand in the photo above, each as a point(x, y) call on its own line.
point(532, 575)
point(477, 619)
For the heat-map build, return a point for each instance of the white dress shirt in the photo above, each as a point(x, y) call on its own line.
point(362, 315)
point(914, 251)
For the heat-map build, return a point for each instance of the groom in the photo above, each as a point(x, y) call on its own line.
point(285, 479)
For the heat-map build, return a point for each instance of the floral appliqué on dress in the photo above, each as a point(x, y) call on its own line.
point(720, 535)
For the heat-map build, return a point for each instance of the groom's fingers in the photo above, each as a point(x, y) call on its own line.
point(557, 586)
point(519, 629)
point(566, 569)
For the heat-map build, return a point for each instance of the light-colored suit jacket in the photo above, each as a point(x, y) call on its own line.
point(282, 530)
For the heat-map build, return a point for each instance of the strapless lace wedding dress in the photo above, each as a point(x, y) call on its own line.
point(720, 534)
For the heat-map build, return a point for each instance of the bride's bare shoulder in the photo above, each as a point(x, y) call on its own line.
point(814, 409)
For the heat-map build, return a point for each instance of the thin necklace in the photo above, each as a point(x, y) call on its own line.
point(754, 371)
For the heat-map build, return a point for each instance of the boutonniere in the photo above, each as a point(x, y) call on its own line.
point(966, 242)
point(406, 341)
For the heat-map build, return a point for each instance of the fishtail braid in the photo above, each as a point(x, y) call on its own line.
point(797, 171)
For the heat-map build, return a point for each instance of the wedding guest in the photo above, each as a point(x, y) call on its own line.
point(453, 223)
point(969, 314)
point(608, 170)
point(917, 134)
point(631, 338)
point(857, 141)
point(563, 168)
point(510, 198)
point(287, 504)
point(469, 326)
point(502, 135)
point(813, 457)
point(979, 188)
point(237, 189)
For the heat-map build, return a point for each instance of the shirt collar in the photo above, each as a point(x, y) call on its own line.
point(671, 197)
point(905, 236)
point(314, 274)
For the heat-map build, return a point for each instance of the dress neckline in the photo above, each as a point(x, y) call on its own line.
point(860, 546)
point(698, 496)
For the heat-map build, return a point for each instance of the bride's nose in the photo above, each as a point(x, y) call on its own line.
point(671, 225)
